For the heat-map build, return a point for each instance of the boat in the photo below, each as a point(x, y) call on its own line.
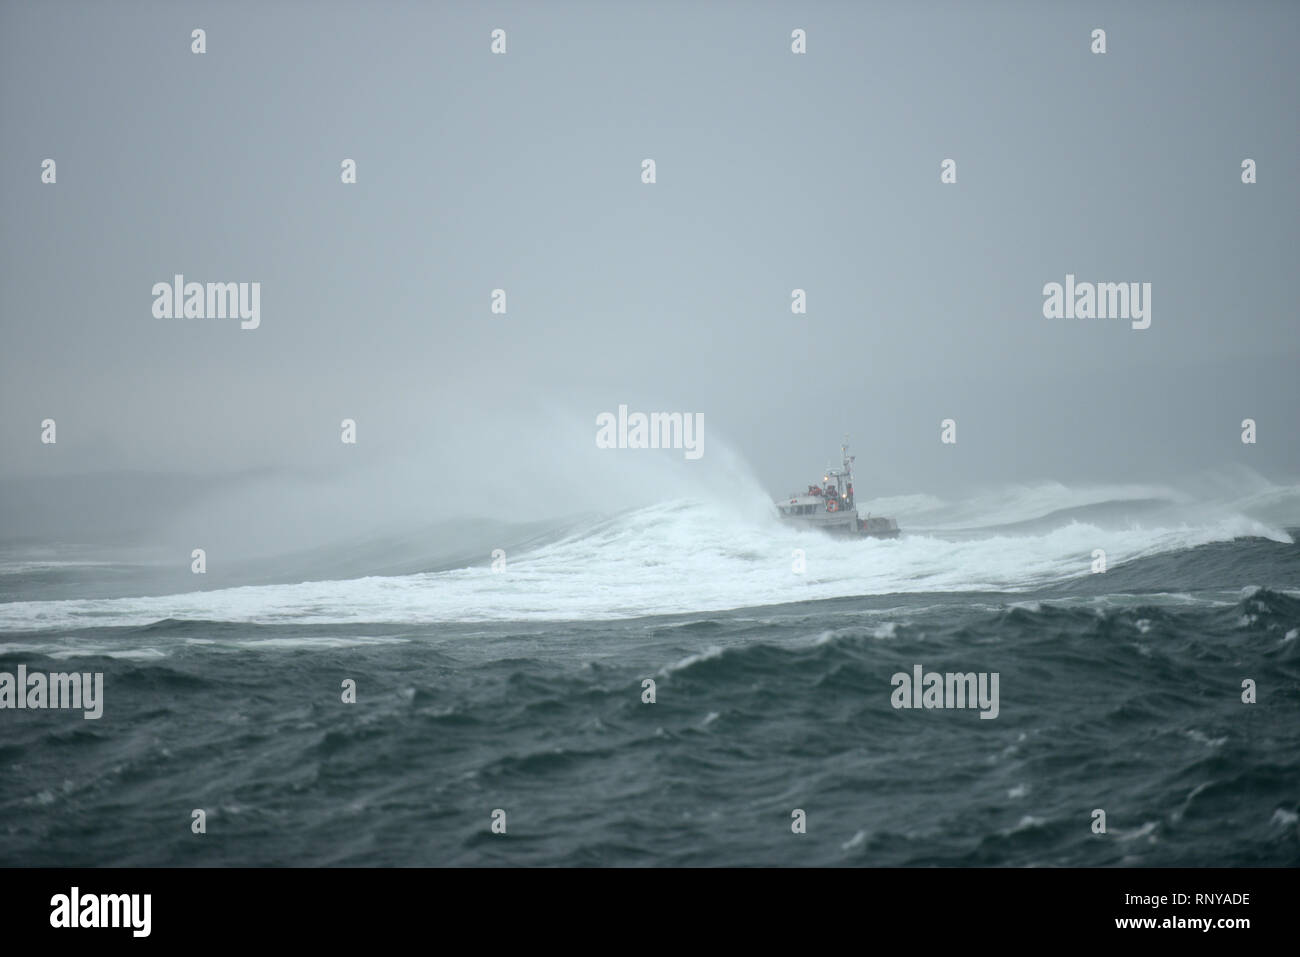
point(833, 508)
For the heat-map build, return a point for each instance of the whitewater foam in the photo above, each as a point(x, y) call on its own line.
point(678, 557)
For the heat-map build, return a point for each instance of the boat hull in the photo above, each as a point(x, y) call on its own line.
point(845, 526)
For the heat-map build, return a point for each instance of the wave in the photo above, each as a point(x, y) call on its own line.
point(690, 556)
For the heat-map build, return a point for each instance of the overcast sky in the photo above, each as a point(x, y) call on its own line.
point(775, 171)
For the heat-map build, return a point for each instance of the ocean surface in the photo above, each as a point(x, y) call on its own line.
point(520, 690)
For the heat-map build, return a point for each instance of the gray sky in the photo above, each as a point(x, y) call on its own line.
point(775, 171)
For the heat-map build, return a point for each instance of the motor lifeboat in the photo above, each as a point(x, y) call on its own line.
point(832, 506)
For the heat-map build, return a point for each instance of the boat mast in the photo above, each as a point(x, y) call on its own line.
point(848, 459)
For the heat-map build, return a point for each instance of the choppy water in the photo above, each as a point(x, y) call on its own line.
point(521, 690)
